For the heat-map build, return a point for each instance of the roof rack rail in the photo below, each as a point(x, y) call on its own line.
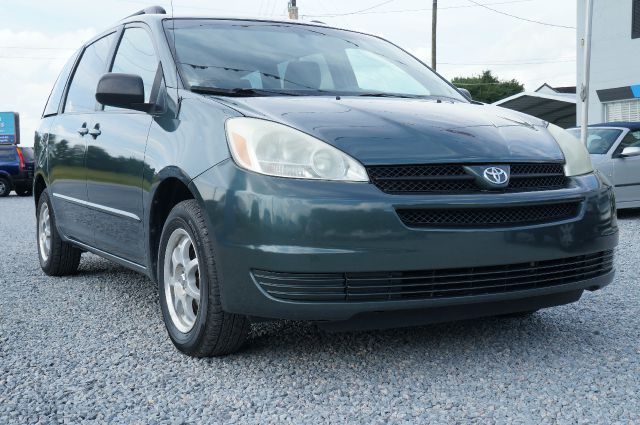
point(152, 10)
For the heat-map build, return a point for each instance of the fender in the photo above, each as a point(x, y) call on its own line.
point(149, 196)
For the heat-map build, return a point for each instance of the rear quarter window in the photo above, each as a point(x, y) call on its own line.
point(7, 154)
point(27, 153)
point(51, 108)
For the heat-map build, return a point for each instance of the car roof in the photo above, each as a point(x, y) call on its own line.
point(633, 126)
point(155, 17)
point(630, 125)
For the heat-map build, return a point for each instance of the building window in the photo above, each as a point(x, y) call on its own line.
point(635, 19)
point(625, 110)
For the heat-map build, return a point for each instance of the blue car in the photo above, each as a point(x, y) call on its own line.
point(260, 170)
point(16, 170)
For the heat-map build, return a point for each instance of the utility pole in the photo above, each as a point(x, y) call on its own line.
point(434, 26)
point(586, 74)
point(293, 10)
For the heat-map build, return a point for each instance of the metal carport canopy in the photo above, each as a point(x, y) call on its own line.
point(559, 109)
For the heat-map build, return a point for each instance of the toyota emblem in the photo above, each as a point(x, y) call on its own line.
point(495, 175)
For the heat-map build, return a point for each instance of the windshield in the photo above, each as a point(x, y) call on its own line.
point(599, 140)
point(297, 59)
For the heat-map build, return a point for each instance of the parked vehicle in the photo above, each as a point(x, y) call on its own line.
point(16, 170)
point(262, 170)
point(615, 151)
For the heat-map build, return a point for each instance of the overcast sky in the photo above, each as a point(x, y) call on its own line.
point(36, 37)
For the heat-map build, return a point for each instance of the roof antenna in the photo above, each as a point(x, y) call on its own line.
point(175, 58)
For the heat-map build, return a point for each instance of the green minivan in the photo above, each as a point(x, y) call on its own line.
point(260, 170)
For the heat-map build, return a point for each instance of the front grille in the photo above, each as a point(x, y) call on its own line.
point(489, 217)
point(430, 284)
point(452, 178)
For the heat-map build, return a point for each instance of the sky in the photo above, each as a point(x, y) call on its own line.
point(36, 37)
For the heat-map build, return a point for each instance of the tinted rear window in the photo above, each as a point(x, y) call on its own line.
point(27, 153)
point(7, 153)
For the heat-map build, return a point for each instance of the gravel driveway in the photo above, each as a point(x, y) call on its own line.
point(92, 348)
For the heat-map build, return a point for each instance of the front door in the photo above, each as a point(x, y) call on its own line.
point(115, 156)
point(626, 170)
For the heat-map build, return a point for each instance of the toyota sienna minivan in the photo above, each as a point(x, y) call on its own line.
point(261, 170)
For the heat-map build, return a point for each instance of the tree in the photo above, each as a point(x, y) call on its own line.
point(487, 88)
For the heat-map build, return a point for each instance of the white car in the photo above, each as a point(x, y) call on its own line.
point(615, 151)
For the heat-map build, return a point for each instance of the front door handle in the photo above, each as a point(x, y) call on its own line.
point(82, 131)
point(95, 131)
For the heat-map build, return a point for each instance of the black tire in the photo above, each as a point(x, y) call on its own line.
point(24, 192)
point(214, 332)
point(63, 258)
point(5, 187)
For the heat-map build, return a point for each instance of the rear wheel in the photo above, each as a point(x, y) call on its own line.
point(5, 187)
point(57, 258)
point(190, 290)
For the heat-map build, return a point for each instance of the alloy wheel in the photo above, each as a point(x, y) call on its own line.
point(44, 232)
point(182, 280)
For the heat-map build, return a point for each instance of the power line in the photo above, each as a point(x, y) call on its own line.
point(368, 11)
point(37, 48)
point(508, 63)
point(519, 17)
point(364, 10)
point(32, 57)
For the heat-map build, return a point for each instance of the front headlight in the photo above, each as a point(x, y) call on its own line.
point(578, 160)
point(274, 149)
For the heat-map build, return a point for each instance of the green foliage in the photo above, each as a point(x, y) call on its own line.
point(488, 88)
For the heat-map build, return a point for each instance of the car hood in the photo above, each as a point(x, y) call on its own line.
point(406, 131)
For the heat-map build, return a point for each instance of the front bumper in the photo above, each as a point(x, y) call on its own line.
point(298, 226)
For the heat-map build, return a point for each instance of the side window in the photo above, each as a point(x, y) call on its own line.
point(635, 19)
point(632, 139)
point(93, 64)
point(376, 73)
point(51, 108)
point(136, 55)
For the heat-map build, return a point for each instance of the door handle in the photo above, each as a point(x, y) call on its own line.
point(82, 131)
point(95, 131)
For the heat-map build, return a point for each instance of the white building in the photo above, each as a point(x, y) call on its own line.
point(615, 60)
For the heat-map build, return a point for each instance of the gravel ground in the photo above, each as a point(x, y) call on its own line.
point(92, 348)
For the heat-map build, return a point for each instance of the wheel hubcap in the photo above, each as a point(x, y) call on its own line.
point(44, 232)
point(3, 187)
point(182, 280)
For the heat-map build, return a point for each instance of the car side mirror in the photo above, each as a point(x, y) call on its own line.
point(122, 91)
point(630, 151)
point(466, 93)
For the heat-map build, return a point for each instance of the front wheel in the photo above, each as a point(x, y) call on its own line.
point(190, 290)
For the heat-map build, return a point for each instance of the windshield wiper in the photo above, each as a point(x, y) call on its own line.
point(379, 94)
point(410, 96)
point(239, 92)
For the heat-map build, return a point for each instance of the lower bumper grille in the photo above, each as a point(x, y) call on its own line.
point(430, 284)
point(489, 217)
